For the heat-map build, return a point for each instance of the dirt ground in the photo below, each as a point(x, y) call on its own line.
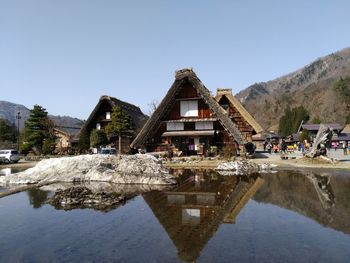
point(343, 162)
point(295, 159)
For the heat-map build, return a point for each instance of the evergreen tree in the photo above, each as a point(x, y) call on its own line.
point(304, 135)
point(347, 120)
point(121, 124)
point(84, 141)
point(7, 131)
point(342, 86)
point(37, 129)
point(97, 138)
point(290, 121)
point(316, 120)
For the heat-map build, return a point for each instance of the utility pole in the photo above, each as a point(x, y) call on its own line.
point(18, 117)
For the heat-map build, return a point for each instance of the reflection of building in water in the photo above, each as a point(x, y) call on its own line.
point(192, 212)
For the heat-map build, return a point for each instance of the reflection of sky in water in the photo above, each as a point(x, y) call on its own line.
point(285, 221)
point(9, 170)
point(5, 171)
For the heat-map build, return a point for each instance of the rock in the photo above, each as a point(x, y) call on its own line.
point(121, 169)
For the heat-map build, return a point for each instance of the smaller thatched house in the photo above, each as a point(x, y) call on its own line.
point(101, 116)
point(245, 122)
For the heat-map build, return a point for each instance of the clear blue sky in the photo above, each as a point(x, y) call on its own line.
point(65, 54)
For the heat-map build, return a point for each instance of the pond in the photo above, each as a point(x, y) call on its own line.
point(288, 216)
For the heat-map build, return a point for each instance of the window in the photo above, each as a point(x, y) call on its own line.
point(98, 126)
point(204, 125)
point(175, 126)
point(189, 108)
point(108, 115)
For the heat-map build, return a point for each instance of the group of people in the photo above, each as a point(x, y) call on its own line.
point(275, 147)
point(282, 147)
point(304, 146)
point(343, 145)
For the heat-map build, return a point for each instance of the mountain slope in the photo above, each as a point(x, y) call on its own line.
point(310, 86)
point(8, 111)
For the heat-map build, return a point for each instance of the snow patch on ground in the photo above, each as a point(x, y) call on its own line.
point(121, 169)
point(243, 167)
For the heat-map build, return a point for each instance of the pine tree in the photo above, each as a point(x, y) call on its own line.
point(342, 86)
point(7, 131)
point(316, 120)
point(304, 135)
point(97, 138)
point(38, 129)
point(347, 120)
point(84, 141)
point(290, 121)
point(120, 124)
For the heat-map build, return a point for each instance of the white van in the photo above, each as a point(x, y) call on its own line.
point(9, 156)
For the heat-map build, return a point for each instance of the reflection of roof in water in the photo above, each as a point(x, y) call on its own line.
point(191, 217)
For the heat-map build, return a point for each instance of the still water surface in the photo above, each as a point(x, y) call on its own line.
point(283, 217)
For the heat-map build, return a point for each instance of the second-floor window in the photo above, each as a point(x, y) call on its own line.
point(175, 126)
point(204, 125)
point(189, 108)
point(98, 126)
point(108, 115)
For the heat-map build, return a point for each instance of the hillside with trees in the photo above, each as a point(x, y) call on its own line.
point(322, 88)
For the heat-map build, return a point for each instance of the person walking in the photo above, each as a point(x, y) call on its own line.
point(269, 147)
point(345, 147)
point(283, 146)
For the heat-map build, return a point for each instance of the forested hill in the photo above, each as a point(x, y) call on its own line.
point(314, 87)
point(8, 111)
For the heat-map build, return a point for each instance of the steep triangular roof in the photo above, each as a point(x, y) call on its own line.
point(246, 115)
point(135, 112)
point(182, 77)
point(346, 129)
point(236, 193)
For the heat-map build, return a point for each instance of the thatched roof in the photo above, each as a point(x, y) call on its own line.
point(191, 239)
point(134, 112)
point(346, 129)
point(316, 127)
point(183, 77)
point(245, 114)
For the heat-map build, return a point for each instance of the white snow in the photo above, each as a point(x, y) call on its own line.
point(124, 169)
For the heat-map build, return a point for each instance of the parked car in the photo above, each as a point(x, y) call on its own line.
point(9, 156)
point(108, 151)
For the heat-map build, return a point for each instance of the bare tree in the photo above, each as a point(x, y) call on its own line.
point(152, 106)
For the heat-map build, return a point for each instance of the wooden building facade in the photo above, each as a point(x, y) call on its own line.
point(101, 116)
point(246, 124)
point(194, 211)
point(190, 121)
